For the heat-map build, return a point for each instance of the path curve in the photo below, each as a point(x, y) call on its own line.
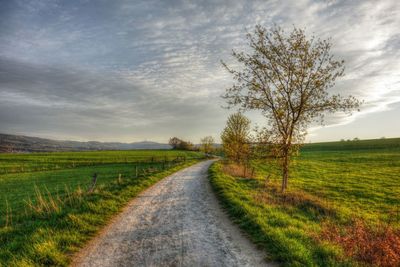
point(176, 222)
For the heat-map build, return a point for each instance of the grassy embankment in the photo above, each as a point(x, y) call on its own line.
point(342, 207)
point(46, 211)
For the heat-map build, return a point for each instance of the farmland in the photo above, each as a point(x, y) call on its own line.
point(46, 210)
point(342, 207)
point(19, 163)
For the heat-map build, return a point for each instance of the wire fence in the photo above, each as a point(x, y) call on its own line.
point(33, 164)
point(36, 188)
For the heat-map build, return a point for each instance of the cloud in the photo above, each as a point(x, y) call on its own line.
point(122, 70)
point(55, 101)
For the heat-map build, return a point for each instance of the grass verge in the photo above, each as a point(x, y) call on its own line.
point(303, 227)
point(283, 232)
point(53, 228)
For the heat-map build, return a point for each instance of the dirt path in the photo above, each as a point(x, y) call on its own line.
point(177, 222)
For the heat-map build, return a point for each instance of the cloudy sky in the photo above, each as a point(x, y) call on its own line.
point(125, 70)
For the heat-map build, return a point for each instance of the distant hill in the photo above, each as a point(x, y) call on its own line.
point(20, 143)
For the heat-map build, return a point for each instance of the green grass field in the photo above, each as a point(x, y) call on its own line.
point(16, 163)
point(342, 207)
point(46, 211)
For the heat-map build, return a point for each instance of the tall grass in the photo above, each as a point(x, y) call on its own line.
point(50, 203)
point(8, 214)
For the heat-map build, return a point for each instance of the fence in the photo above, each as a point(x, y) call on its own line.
point(33, 163)
point(16, 195)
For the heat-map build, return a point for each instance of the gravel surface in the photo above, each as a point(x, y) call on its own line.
point(177, 222)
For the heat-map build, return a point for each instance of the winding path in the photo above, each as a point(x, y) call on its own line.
point(177, 222)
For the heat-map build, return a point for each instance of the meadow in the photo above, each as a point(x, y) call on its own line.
point(29, 162)
point(47, 210)
point(342, 207)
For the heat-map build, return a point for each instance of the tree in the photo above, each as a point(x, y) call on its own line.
point(288, 78)
point(261, 147)
point(207, 144)
point(174, 142)
point(180, 144)
point(236, 138)
point(186, 145)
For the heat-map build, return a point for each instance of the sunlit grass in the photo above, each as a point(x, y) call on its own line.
point(48, 215)
point(28, 162)
point(356, 190)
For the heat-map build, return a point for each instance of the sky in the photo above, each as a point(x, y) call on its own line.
point(128, 71)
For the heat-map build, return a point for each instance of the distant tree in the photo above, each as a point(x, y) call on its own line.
point(356, 139)
point(174, 142)
point(287, 77)
point(342, 140)
point(180, 144)
point(236, 138)
point(207, 144)
point(186, 145)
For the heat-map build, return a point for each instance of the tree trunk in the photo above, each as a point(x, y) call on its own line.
point(285, 168)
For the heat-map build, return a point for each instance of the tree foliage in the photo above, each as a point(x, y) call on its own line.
point(236, 138)
point(180, 144)
point(261, 146)
point(288, 78)
point(207, 144)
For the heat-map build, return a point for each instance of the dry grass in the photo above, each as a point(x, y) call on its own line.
point(270, 193)
point(8, 214)
point(43, 204)
point(378, 245)
point(238, 170)
point(48, 203)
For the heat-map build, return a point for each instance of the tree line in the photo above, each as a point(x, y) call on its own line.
point(207, 144)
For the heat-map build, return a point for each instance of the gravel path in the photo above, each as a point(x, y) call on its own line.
point(177, 222)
